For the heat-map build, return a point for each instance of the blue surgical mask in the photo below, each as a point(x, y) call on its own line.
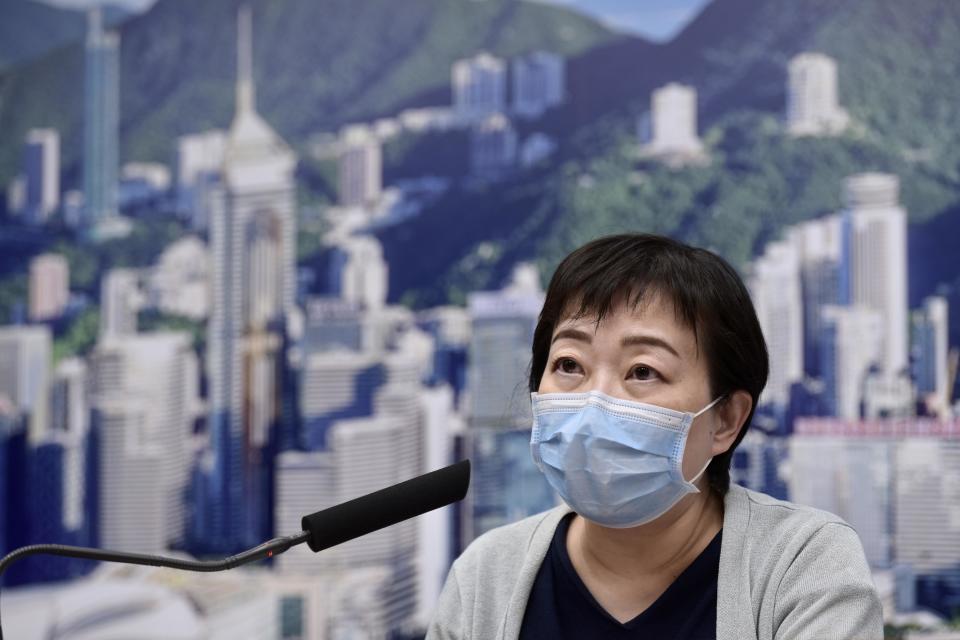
point(615, 462)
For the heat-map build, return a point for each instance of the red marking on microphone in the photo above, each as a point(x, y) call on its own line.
point(270, 553)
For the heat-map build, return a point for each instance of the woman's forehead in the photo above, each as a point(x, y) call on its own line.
point(650, 314)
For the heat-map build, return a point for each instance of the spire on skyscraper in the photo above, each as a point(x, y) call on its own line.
point(255, 155)
point(245, 97)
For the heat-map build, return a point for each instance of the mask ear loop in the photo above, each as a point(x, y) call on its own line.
point(710, 459)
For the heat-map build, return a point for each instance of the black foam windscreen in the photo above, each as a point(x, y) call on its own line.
point(388, 506)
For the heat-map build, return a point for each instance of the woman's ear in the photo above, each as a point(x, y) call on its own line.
point(731, 415)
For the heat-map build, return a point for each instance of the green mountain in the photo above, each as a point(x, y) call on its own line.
point(318, 64)
point(29, 29)
point(897, 78)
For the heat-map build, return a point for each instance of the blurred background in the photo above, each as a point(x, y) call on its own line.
point(260, 258)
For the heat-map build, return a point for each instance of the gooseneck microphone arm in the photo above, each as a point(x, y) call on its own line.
point(322, 529)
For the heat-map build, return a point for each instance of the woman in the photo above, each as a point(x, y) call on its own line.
point(648, 361)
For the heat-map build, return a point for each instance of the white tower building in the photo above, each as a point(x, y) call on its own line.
point(538, 83)
point(360, 167)
point(143, 393)
point(876, 258)
point(493, 145)
point(49, 286)
point(479, 86)
point(120, 300)
point(812, 107)
point(851, 343)
point(669, 131)
point(26, 354)
point(362, 272)
point(775, 288)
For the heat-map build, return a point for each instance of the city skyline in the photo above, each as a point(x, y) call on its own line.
point(260, 362)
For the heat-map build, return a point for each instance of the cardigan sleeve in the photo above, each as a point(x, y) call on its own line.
point(448, 617)
point(827, 592)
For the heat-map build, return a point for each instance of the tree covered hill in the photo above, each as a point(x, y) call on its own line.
point(29, 28)
point(897, 78)
point(318, 64)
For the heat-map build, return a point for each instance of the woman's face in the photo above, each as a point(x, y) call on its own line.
point(646, 355)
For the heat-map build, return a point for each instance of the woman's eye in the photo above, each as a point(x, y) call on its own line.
point(566, 365)
point(643, 372)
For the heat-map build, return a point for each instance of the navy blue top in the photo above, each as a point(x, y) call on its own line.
point(561, 606)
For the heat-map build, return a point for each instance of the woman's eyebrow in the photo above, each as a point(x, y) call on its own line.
point(573, 334)
point(650, 341)
point(628, 341)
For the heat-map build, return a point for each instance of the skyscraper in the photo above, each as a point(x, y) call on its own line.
point(875, 257)
point(927, 511)
point(507, 485)
point(359, 273)
point(144, 389)
point(360, 167)
point(199, 162)
point(179, 283)
point(503, 324)
point(374, 438)
point(851, 344)
point(49, 286)
point(101, 119)
point(775, 289)
point(819, 244)
point(479, 86)
point(929, 352)
point(538, 83)
point(253, 283)
point(27, 354)
point(121, 299)
point(41, 170)
point(669, 130)
point(493, 146)
point(812, 107)
point(848, 467)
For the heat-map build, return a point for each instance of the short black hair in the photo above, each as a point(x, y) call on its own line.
point(708, 296)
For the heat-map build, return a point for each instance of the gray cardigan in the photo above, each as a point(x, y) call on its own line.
point(786, 572)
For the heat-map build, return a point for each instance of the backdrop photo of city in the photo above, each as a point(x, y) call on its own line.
point(261, 257)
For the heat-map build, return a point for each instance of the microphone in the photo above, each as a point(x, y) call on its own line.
point(388, 506)
point(321, 530)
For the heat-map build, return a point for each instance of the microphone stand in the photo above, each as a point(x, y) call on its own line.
point(321, 530)
point(268, 549)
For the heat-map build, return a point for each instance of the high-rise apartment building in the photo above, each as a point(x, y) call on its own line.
point(775, 288)
point(479, 86)
point(493, 146)
point(41, 172)
point(812, 106)
point(851, 344)
point(49, 286)
point(669, 130)
point(101, 119)
point(819, 244)
point(27, 356)
point(875, 259)
point(538, 83)
point(143, 393)
point(929, 354)
point(360, 165)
